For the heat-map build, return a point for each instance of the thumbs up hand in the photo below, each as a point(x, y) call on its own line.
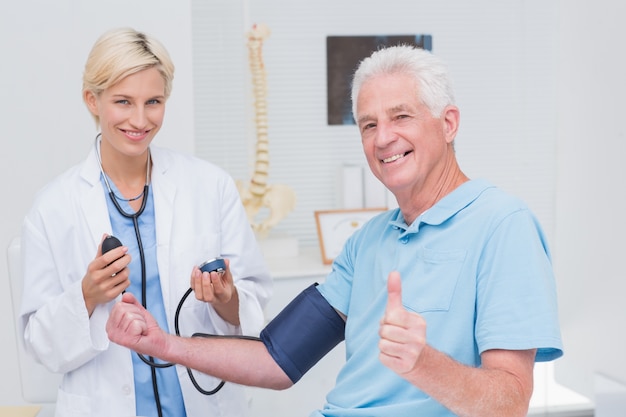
point(402, 332)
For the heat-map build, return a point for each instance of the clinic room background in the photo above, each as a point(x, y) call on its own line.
point(539, 83)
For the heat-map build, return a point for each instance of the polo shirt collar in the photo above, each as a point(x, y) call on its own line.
point(445, 208)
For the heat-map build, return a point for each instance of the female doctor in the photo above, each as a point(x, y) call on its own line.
point(171, 212)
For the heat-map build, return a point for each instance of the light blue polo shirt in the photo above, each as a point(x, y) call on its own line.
point(476, 266)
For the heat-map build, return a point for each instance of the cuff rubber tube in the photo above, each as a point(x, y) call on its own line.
point(303, 332)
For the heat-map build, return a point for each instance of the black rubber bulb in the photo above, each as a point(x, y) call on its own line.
point(110, 242)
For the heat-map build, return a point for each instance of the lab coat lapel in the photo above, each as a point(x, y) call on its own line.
point(164, 193)
point(93, 203)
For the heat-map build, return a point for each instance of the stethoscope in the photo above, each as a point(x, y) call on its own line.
point(216, 264)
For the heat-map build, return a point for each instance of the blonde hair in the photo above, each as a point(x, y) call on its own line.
point(121, 52)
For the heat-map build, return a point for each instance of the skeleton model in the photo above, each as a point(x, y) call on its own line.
point(257, 193)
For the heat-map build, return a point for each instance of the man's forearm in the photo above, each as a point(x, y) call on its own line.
point(493, 391)
point(245, 362)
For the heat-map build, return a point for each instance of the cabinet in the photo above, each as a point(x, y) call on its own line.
point(292, 275)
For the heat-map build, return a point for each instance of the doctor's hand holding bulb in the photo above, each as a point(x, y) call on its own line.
point(107, 276)
point(171, 212)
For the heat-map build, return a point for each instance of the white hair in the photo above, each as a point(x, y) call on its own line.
point(434, 84)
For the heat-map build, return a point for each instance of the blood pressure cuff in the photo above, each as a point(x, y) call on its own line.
point(300, 335)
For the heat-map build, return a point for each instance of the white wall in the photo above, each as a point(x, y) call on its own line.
point(590, 201)
point(45, 126)
point(500, 53)
point(509, 112)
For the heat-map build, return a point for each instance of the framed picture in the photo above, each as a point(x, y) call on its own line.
point(343, 54)
point(334, 227)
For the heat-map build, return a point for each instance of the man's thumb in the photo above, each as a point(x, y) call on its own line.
point(394, 290)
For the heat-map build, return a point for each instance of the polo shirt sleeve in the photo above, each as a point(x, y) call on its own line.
point(516, 290)
point(337, 287)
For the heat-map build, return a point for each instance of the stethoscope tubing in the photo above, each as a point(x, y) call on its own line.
point(135, 218)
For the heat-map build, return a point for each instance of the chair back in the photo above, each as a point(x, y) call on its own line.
point(39, 386)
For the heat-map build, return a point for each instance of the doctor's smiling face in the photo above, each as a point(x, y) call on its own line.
point(130, 112)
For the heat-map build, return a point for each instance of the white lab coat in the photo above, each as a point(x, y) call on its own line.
point(198, 216)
